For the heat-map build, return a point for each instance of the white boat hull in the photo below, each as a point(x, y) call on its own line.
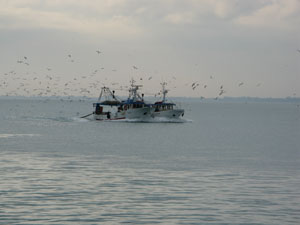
point(139, 113)
point(136, 113)
point(172, 113)
point(105, 117)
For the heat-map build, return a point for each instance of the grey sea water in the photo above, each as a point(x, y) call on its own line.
point(230, 163)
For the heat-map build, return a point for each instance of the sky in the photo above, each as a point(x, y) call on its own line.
point(208, 48)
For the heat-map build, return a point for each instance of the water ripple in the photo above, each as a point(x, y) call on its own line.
point(44, 189)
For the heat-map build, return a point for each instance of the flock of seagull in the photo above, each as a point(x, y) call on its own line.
point(33, 84)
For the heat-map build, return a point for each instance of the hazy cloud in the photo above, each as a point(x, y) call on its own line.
point(275, 14)
point(128, 16)
point(80, 16)
point(239, 40)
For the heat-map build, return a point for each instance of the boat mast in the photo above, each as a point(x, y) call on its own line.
point(133, 91)
point(164, 91)
point(105, 91)
point(100, 96)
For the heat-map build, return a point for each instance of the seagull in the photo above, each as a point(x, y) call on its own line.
point(25, 57)
point(195, 86)
point(98, 51)
point(240, 84)
point(150, 78)
point(134, 67)
point(205, 86)
point(69, 56)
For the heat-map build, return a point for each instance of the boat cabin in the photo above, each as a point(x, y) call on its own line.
point(129, 104)
point(163, 106)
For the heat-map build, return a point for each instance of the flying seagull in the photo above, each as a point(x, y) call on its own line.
point(193, 84)
point(221, 92)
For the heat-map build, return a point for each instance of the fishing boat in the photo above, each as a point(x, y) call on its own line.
point(165, 108)
point(112, 108)
point(107, 106)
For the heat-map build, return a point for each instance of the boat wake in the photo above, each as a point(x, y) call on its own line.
point(81, 120)
point(57, 119)
point(18, 135)
point(153, 120)
point(69, 119)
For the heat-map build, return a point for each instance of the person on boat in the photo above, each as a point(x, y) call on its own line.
point(108, 115)
point(98, 109)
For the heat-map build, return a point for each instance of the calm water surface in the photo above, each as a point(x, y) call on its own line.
point(230, 163)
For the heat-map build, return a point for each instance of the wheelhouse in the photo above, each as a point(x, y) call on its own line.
point(163, 106)
point(130, 104)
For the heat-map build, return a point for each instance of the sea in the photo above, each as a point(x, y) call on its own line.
point(224, 163)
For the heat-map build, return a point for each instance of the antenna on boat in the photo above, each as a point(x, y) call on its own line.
point(133, 91)
point(164, 90)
